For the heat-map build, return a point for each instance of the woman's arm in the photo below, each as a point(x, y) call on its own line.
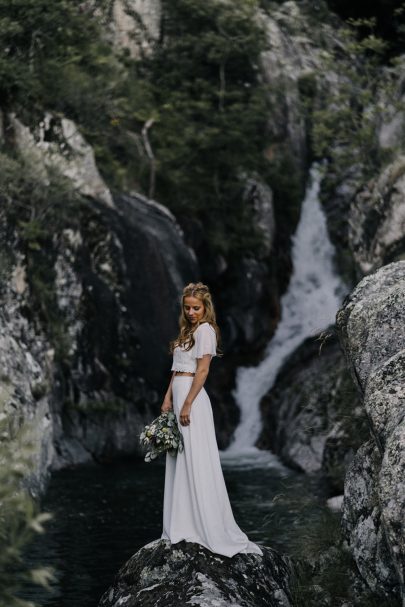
point(167, 401)
point(201, 374)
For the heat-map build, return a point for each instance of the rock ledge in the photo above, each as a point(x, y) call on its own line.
point(186, 573)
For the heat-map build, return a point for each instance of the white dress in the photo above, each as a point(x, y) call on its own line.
point(196, 504)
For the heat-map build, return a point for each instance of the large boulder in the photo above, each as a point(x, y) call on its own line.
point(161, 575)
point(371, 325)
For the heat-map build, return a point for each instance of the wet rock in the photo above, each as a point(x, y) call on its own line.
point(165, 575)
point(371, 326)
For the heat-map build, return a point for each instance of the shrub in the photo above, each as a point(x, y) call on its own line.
point(20, 516)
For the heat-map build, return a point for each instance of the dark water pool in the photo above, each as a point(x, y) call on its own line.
point(103, 514)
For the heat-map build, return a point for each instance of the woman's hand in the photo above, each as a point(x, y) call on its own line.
point(185, 414)
point(166, 406)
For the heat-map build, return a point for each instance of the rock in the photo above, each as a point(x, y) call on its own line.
point(130, 25)
point(161, 574)
point(389, 130)
point(135, 263)
point(57, 143)
point(135, 25)
point(373, 314)
point(306, 414)
point(291, 63)
point(371, 326)
point(338, 190)
point(335, 503)
point(366, 207)
point(25, 386)
point(362, 523)
point(377, 219)
point(250, 310)
point(91, 372)
point(259, 197)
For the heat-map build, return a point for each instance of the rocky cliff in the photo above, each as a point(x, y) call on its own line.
point(371, 326)
point(89, 377)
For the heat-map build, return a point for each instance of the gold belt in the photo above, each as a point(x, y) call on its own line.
point(184, 373)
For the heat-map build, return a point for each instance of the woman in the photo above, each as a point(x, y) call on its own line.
point(196, 503)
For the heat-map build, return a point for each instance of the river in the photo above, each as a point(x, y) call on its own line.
point(104, 514)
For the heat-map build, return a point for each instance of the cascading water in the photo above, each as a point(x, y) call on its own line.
point(309, 305)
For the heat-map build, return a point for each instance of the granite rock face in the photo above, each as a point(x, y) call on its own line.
point(26, 360)
point(291, 65)
point(371, 325)
point(312, 417)
point(186, 573)
point(90, 384)
point(366, 209)
point(57, 143)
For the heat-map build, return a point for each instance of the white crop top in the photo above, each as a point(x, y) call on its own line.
point(205, 343)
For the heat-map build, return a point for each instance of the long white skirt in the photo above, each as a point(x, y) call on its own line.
point(196, 504)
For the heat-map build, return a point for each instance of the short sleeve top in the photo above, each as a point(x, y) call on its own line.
point(205, 343)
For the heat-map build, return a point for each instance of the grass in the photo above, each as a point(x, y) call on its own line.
point(326, 573)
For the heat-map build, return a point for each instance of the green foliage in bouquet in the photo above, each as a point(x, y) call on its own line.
point(161, 435)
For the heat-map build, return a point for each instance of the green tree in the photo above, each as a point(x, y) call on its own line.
point(346, 121)
point(201, 110)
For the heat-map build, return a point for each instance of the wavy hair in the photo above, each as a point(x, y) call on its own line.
point(185, 336)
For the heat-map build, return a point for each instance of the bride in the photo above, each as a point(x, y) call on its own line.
point(196, 504)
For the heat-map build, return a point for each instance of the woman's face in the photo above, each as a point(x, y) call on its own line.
point(193, 309)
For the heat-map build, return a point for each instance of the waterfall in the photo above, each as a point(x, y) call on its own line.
point(309, 305)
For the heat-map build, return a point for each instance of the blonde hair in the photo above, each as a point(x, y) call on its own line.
point(201, 292)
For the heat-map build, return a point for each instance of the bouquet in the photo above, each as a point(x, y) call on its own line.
point(161, 435)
